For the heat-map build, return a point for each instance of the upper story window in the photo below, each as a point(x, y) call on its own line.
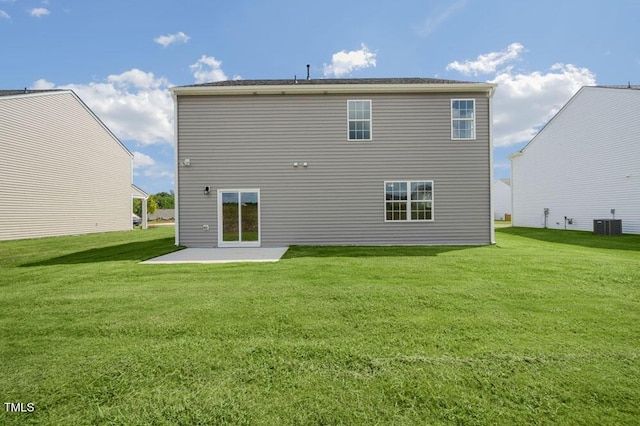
point(359, 118)
point(463, 119)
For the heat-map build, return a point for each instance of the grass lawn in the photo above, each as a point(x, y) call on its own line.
point(543, 328)
point(502, 223)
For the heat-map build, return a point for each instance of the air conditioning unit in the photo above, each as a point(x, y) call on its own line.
point(607, 226)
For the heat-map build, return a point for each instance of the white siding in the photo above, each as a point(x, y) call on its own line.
point(584, 163)
point(501, 199)
point(62, 172)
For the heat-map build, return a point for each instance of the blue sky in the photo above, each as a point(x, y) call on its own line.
point(122, 56)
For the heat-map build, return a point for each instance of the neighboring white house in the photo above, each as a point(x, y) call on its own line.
point(501, 194)
point(62, 171)
point(583, 164)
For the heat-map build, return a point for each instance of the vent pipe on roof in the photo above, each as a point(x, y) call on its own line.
point(629, 86)
point(308, 72)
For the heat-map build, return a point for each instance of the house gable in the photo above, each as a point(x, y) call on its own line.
point(582, 164)
point(59, 158)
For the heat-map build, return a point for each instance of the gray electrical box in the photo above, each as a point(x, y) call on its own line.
point(607, 226)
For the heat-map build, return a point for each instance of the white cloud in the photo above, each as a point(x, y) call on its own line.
point(343, 63)
point(4, 15)
point(433, 22)
point(166, 40)
point(138, 79)
point(141, 160)
point(208, 69)
point(39, 12)
point(134, 105)
point(43, 84)
point(524, 102)
point(501, 164)
point(158, 173)
point(489, 62)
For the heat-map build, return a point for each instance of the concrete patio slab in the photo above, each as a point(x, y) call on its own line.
point(221, 255)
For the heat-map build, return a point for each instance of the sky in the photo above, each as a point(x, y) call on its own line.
point(121, 57)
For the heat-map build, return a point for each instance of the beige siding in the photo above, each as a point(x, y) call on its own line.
point(249, 142)
point(62, 172)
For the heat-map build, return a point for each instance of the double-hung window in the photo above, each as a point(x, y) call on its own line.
point(463, 119)
point(359, 119)
point(408, 201)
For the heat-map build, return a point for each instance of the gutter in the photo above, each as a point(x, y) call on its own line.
point(321, 89)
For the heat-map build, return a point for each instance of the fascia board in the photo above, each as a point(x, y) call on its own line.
point(303, 89)
point(37, 94)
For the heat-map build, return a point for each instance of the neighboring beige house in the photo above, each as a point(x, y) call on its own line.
point(62, 171)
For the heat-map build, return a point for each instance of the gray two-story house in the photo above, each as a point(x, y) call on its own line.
point(347, 161)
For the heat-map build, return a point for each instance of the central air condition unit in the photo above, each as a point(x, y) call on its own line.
point(607, 226)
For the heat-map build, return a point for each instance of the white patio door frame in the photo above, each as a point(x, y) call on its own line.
point(240, 241)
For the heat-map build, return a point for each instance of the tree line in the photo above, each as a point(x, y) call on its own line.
point(161, 200)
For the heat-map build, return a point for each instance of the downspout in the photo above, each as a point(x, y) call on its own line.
point(176, 195)
point(491, 208)
point(132, 196)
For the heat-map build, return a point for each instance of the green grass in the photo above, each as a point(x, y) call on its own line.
point(502, 223)
point(543, 328)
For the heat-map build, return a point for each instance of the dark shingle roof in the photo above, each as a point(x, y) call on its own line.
point(624, 86)
point(336, 81)
point(24, 92)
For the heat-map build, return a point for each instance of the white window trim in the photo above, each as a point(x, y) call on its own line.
point(408, 182)
point(473, 137)
point(222, 243)
point(370, 120)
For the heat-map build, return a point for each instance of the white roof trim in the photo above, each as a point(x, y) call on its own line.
point(43, 93)
point(138, 192)
point(304, 89)
point(548, 123)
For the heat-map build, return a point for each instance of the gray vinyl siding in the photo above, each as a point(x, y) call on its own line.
point(61, 171)
point(251, 142)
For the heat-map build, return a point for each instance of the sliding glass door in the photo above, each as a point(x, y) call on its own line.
point(238, 218)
